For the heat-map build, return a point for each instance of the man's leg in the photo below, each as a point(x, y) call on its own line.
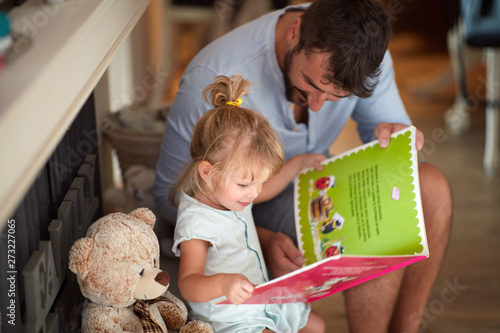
point(419, 278)
point(369, 305)
point(395, 302)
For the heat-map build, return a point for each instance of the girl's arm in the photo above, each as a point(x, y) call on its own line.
point(290, 170)
point(196, 287)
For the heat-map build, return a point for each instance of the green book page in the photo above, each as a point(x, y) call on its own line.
point(364, 202)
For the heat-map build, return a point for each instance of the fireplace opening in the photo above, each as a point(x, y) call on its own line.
point(39, 295)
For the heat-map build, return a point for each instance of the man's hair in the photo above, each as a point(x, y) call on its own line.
point(355, 34)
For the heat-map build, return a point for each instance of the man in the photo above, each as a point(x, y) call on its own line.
point(312, 68)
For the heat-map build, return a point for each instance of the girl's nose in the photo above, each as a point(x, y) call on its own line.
point(254, 193)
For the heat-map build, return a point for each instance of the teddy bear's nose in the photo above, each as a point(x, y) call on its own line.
point(162, 278)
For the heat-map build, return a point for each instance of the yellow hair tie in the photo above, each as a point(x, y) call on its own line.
point(238, 102)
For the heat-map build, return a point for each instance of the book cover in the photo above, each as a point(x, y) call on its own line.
point(358, 218)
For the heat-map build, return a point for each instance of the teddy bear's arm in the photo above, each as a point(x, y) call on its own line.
point(174, 314)
point(102, 319)
point(173, 311)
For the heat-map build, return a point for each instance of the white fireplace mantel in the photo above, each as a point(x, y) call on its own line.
point(42, 91)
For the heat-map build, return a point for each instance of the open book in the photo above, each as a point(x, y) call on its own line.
point(358, 218)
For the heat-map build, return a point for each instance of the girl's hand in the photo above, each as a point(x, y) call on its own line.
point(312, 161)
point(290, 170)
point(237, 288)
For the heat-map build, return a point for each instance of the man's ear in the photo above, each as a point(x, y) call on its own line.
point(293, 33)
point(204, 170)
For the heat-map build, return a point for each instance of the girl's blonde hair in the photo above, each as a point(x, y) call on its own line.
point(231, 138)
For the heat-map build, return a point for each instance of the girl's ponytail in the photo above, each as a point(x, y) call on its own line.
point(226, 91)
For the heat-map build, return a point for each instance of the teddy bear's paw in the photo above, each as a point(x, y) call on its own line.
point(196, 326)
point(173, 311)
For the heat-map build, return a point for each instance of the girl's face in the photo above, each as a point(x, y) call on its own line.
point(238, 192)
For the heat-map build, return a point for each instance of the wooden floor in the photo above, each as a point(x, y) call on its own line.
point(473, 257)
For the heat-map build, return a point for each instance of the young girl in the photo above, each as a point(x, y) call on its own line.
point(237, 160)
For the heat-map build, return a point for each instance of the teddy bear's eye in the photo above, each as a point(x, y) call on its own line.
point(142, 272)
point(154, 262)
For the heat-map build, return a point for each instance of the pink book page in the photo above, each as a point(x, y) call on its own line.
point(325, 278)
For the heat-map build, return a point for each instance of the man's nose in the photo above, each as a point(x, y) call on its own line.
point(316, 101)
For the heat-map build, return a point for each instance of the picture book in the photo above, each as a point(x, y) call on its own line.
point(358, 218)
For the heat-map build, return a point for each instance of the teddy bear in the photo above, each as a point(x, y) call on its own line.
point(138, 191)
point(117, 269)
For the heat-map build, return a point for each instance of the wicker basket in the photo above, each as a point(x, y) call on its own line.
point(134, 146)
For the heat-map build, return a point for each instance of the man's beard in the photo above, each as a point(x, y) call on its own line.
point(286, 75)
point(291, 92)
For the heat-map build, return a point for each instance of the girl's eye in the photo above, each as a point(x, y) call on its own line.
point(243, 185)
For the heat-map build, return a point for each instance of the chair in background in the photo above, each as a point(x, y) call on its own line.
point(479, 26)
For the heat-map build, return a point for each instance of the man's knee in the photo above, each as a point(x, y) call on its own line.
point(436, 197)
point(433, 184)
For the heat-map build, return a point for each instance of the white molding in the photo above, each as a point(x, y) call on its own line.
point(121, 76)
point(42, 91)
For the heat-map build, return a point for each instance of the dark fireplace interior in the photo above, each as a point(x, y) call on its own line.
point(39, 293)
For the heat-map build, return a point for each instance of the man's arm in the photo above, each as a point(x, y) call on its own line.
point(384, 106)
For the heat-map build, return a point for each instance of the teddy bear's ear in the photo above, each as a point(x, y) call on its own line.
point(145, 215)
point(79, 256)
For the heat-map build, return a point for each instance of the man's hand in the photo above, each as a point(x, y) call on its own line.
point(383, 133)
point(281, 255)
